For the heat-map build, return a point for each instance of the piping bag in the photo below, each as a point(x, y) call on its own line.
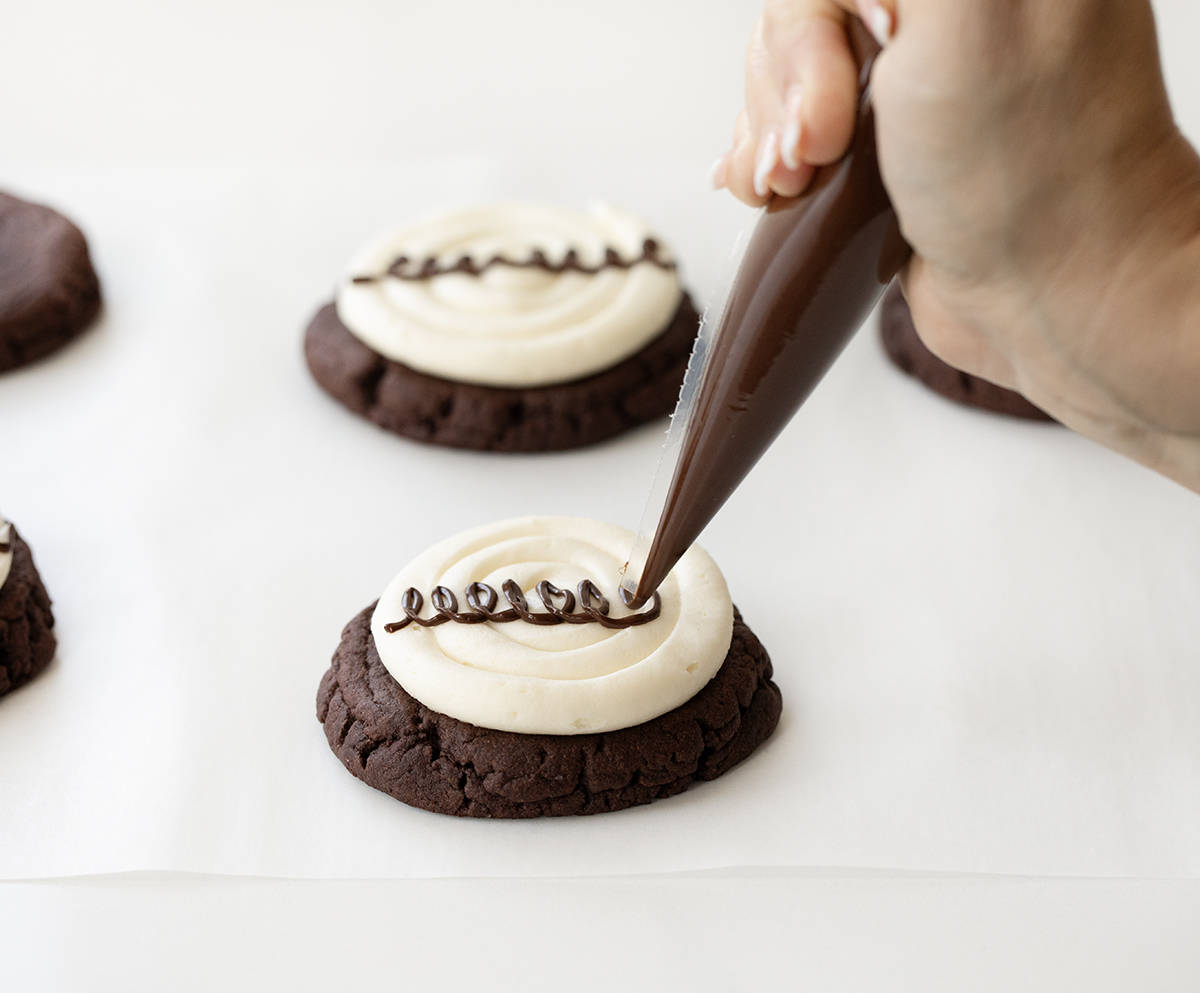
point(812, 271)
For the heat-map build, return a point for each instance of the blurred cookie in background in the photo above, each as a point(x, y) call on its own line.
point(906, 349)
point(49, 292)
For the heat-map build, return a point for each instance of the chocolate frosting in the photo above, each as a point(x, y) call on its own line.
point(482, 600)
point(414, 270)
point(814, 268)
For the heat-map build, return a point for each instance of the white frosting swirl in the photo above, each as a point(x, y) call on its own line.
point(510, 326)
point(562, 679)
point(6, 537)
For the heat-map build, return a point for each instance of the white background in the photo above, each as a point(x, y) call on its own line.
point(160, 127)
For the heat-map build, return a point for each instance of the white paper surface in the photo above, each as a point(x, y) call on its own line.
point(985, 631)
point(850, 933)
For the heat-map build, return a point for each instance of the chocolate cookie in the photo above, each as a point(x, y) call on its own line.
point(392, 742)
point(428, 408)
point(48, 289)
point(905, 348)
point(27, 640)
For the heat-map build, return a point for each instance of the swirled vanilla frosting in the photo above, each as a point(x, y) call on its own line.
point(438, 296)
point(554, 679)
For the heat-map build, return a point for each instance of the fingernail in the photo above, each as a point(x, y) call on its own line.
point(768, 154)
point(879, 21)
point(790, 146)
point(719, 172)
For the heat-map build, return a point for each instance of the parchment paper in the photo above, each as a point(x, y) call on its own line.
point(985, 631)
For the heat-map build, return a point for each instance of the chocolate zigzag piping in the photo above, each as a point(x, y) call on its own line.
point(413, 270)
point(482, 600)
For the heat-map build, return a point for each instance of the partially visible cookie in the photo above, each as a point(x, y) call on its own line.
point(905, 348)
point(27, 640)
point(526, 693)
point(49, 292)
point(510, 328)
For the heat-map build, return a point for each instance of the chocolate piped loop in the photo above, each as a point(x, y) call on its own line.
point(482, 601)
point(443, 600)
point(516, 596)
point(412, 603)
point(591, 599)
point(411, 270)
point(551, 594)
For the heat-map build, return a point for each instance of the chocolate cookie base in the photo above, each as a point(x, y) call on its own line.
point(49, 292)
point(906, 349)
point(426, 408)
point(392, 742)
point(27, 640)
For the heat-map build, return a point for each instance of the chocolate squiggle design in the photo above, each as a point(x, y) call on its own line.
point(482, 599)
point(413, 270)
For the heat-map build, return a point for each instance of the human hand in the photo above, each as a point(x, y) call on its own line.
point(1052, 204)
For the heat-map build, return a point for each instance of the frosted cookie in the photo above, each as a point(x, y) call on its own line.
point(48, 289)
point(510, 328)
point(905, 348)
point(26, 625)
point(493, 678)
